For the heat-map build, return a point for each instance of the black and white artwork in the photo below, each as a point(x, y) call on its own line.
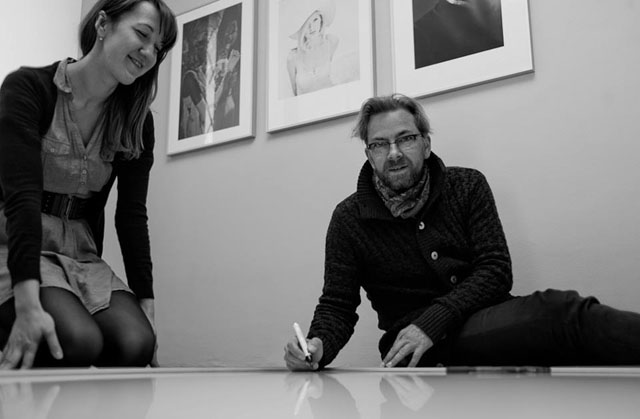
point(212, 76)
point(444, 45)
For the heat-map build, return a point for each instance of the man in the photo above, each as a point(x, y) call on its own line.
point(426, 244)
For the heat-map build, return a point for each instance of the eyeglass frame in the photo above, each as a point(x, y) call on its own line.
point(382, 148)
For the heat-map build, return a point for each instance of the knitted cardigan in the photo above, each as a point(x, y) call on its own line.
point(432, 271)
point(27, 102)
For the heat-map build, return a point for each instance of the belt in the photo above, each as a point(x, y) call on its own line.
point(64, 206)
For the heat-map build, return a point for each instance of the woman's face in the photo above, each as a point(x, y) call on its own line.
point(313, 25)
point(131, 43)
point(231, 33)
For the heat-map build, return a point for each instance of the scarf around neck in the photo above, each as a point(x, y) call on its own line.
point(405, 204)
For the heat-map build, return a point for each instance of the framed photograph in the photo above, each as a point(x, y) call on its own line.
point(320, 60)
point(443, 45)
point(212, 76)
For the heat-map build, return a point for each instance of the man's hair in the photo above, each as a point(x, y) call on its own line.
point(383, 104)
point(126, 109)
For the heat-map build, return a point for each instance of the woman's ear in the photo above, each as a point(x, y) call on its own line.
point(101, 24)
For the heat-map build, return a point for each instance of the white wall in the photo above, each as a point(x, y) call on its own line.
point(37, 32)
point(238, 230)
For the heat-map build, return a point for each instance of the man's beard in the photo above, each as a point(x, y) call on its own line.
point(400, 182)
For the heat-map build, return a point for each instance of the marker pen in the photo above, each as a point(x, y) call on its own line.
point(302, 341)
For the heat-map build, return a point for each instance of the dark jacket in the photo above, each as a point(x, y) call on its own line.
point(432, 271)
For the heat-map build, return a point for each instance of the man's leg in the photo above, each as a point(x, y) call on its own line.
point(548, 328)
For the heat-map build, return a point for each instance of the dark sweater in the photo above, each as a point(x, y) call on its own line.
point(27, 102)
point(432, 271)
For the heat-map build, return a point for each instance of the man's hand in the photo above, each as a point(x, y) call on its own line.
point(413, 391)
point(410, 340)
point(294, 357)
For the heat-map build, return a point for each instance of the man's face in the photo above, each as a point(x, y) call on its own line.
point(399, 167)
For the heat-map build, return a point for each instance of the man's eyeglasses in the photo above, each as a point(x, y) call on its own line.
point(404, 143)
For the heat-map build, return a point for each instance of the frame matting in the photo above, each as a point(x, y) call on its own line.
point(336, 86)
point(431, 57)
point(212, 76)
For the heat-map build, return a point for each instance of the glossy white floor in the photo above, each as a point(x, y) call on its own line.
point(341, 393)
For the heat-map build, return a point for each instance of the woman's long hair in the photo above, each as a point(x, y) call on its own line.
point(126, 109)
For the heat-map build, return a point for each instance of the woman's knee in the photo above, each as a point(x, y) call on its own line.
point(78, 333)
point(140, 347)
point(131, 348)
point(81, 346)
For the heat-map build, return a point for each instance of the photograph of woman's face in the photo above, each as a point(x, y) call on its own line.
point(311, 29)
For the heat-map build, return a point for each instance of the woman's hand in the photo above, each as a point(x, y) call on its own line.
point(148, 307)
point(31, 325)
point(17, 400)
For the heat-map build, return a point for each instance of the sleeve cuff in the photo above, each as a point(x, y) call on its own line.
point(435, 321)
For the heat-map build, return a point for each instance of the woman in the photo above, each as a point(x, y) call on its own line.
point(199, 58)
point(67, 131)
point(193, 112)
point(309, 64)
point(227, 78)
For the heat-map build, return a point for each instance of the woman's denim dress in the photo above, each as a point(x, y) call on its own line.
point(69, 257)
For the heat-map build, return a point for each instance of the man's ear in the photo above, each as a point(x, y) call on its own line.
point(427, 148)
point(368, 154)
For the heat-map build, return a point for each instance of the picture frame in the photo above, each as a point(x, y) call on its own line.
point(445, 45)
point(322, 72)
point(211, 92)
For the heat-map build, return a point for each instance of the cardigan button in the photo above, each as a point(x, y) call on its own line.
point(421, 226)
point(434, 255)
point(453, 279)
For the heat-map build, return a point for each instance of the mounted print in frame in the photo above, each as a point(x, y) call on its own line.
point(443, 45)
point(320, 60)
point(212, 76)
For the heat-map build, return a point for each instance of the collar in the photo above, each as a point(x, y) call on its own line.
point(370, 204)
point(60, 78)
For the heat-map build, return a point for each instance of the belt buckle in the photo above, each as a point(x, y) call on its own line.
point(68, 206)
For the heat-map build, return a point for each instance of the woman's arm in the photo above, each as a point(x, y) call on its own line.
point(24, 101)
point(132, 226)
point(333, 44)
point(291, 68)
point(131, 215)
point(27, 100)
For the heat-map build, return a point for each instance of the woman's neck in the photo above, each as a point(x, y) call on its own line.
point(312, 42)
point(89, 82)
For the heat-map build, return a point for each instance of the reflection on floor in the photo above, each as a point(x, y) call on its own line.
point(340, 393)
